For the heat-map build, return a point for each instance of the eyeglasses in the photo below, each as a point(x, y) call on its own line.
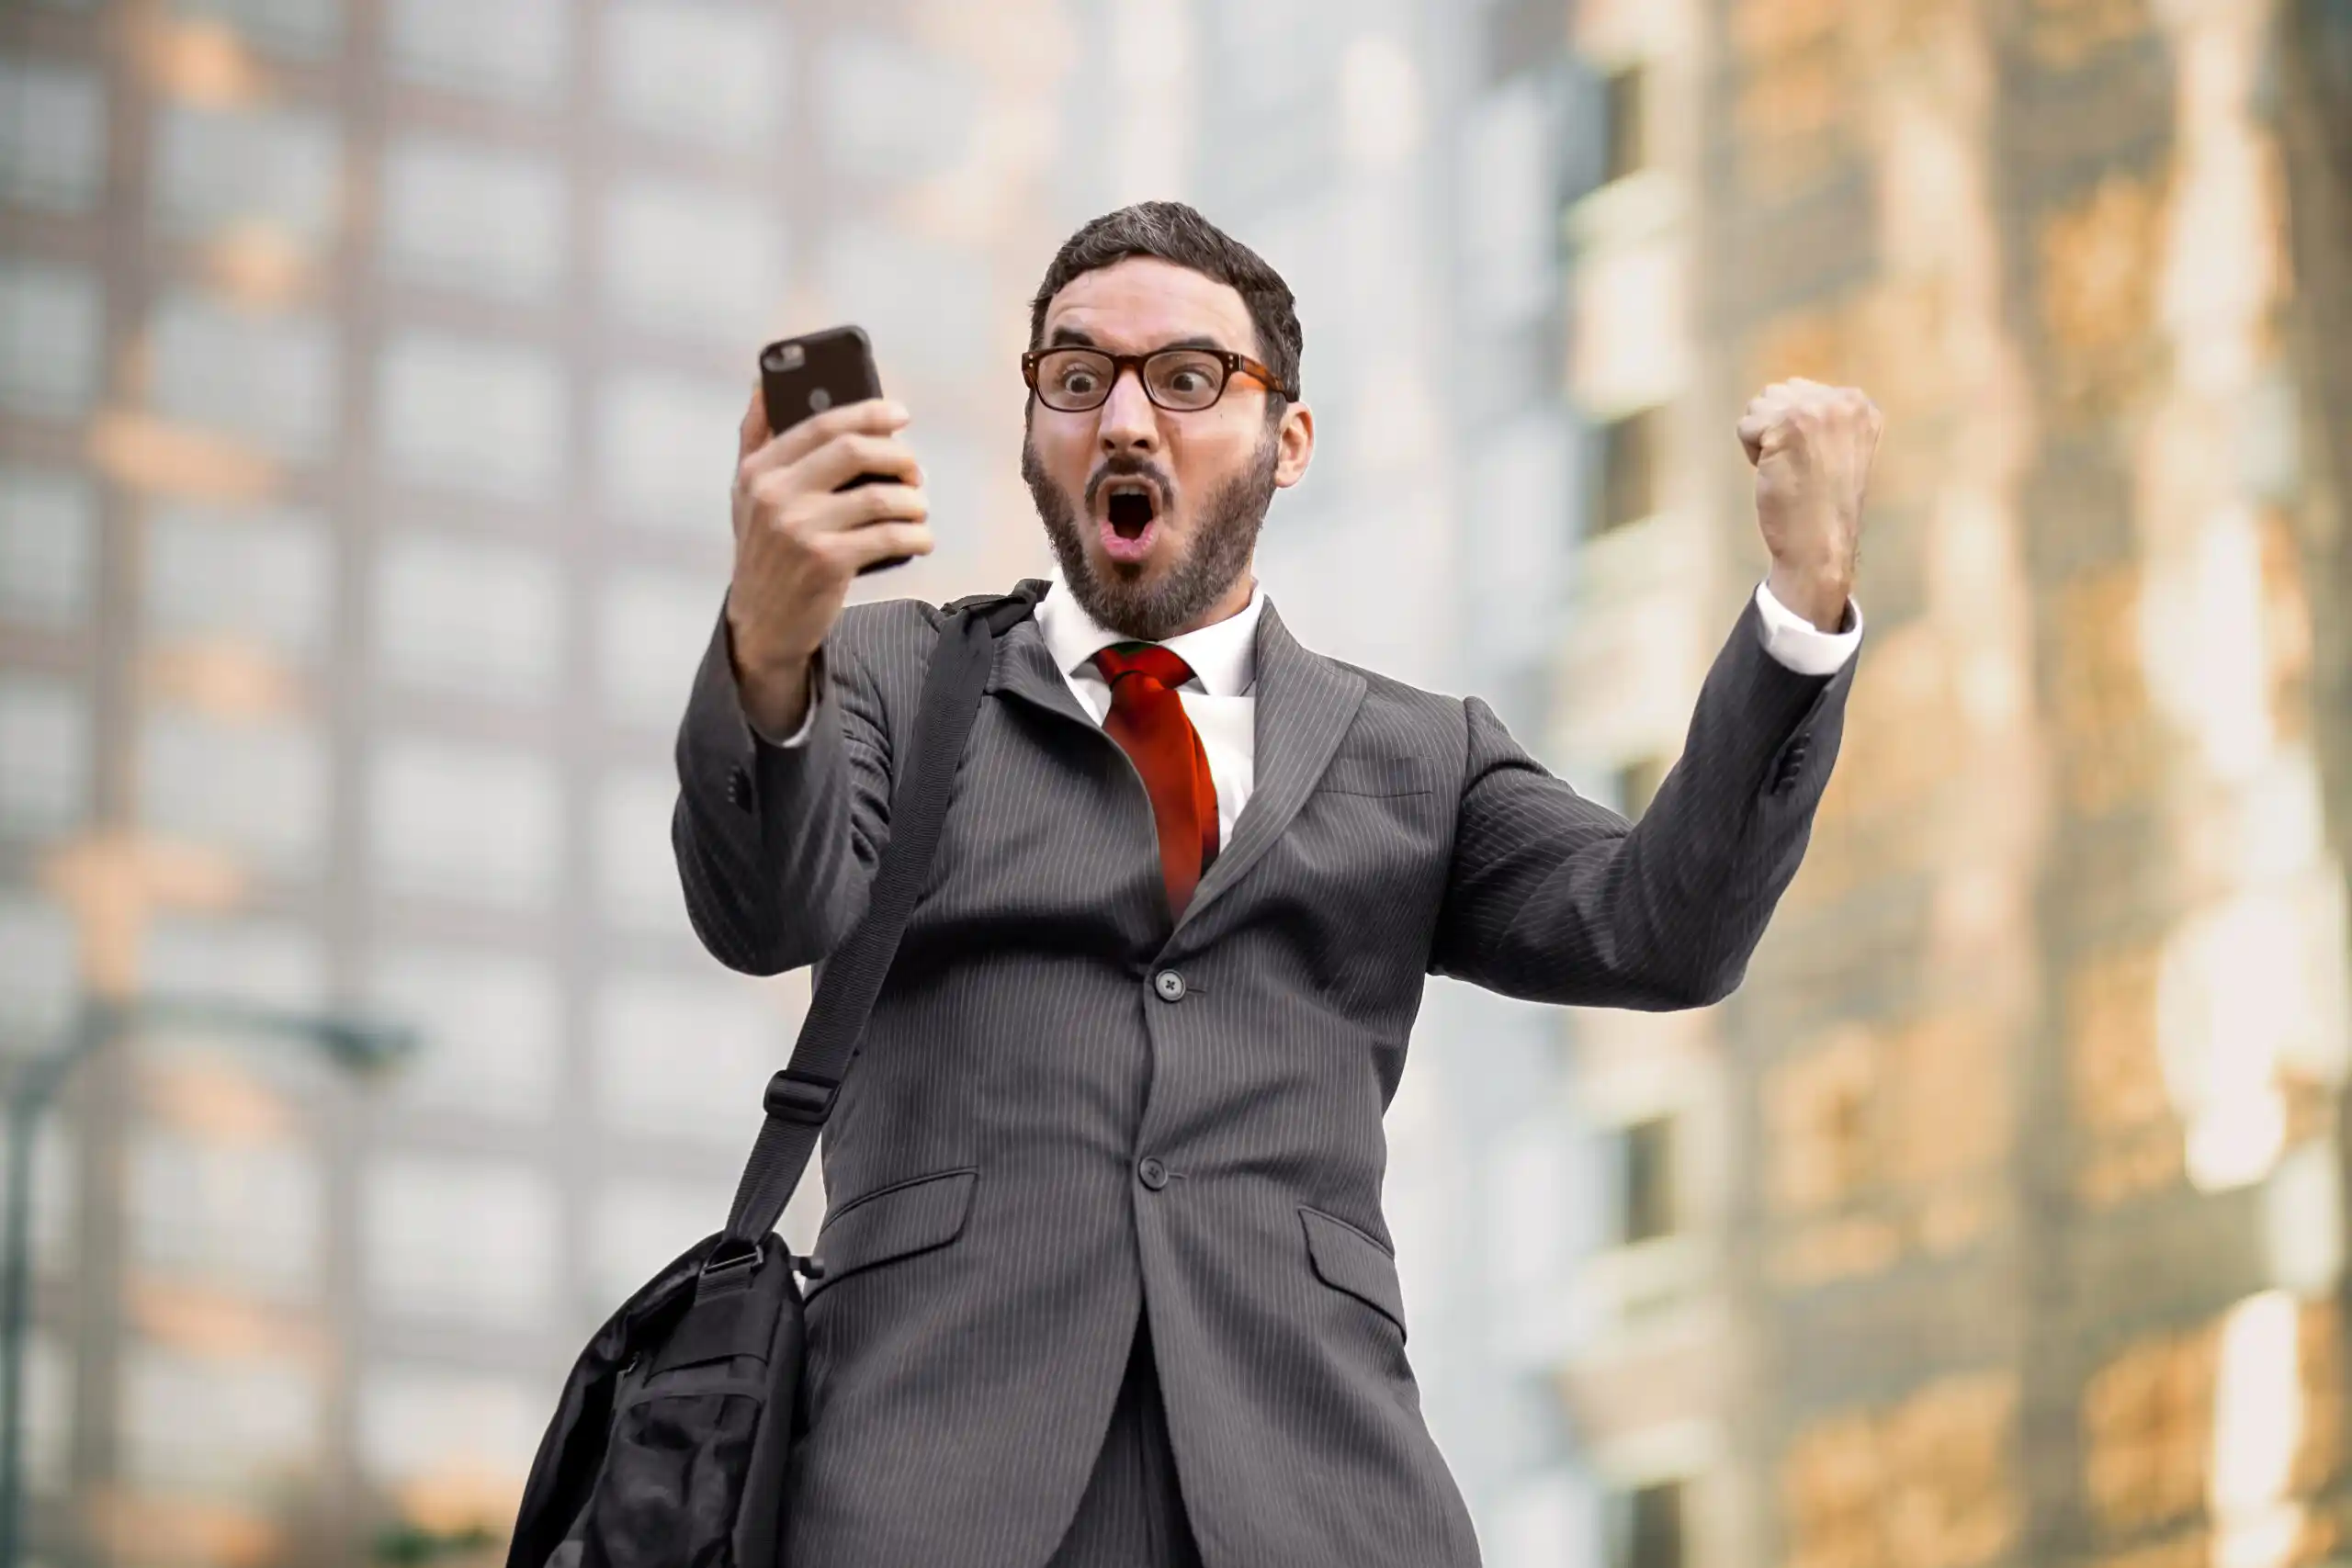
point(1182, 380)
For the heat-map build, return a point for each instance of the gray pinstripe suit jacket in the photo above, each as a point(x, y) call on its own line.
point(1065, 1112)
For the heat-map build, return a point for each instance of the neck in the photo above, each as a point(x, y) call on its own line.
point(1231, 602)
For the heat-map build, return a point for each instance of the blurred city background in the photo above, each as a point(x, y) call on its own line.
point(368, 376)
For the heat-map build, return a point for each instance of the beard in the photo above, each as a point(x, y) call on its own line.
point(1212, 561)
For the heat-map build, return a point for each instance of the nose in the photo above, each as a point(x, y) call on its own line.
point(1127, 422)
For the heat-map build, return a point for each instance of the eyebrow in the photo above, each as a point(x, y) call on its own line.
point(1076, 337)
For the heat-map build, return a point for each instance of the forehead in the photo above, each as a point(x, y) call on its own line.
point(1142, 302)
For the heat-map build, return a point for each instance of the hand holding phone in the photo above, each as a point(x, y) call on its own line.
point(825, 491)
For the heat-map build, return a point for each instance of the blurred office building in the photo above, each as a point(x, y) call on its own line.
point(1998, 1218)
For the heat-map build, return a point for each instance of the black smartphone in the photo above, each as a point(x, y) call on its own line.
point(805, 376)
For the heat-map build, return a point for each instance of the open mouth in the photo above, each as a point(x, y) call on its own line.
point(1130, 515)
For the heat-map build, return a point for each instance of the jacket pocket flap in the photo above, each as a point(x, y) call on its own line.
point(1377, 775)
point(1347, 1259)
point(892, 1222)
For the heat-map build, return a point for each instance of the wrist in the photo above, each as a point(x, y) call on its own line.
point(1818, 594)
point(774, 689)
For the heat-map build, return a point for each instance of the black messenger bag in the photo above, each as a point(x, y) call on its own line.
point(668, 1448)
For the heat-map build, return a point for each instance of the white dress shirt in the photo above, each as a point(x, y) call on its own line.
point(1220, 699)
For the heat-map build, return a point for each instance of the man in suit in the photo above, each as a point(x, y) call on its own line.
point(1105, 1281)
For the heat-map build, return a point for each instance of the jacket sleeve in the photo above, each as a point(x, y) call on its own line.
point(776, 845)
point(1552, 897)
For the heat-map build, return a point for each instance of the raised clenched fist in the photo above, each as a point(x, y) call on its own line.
point(1812, 447)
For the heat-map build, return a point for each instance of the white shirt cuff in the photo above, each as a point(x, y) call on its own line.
point(1801, 645)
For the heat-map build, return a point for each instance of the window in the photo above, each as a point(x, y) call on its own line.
point(1624, 106)
point(1647, 1528)
point(511, 48)
point(52, 136)
point(454, 820)
point(257, 788)
point(684, 1058)
point(639, 1225)
point(260, 577)
point(711, 73)
point(689, 260)
point(1510, 248)
point(48, 339)
point(926, 305)
point(57, 1161)
point(461, 1240)
point(264, 377)
point(420, 1426)
point(277, 169)
point(935, 103)
point(44, 755)
point(1647, 1203)
point(666, 451)
point(488, 1028)
point(461, 215)
point(49, 541)
point(308, 30)
point(247, 1215)
point(467, 616)
point(637, 875)
point(39, 966)
point(651, 629)
point(475, 416)
point(252, 960)
point(1630, 449)
point(242, 1426)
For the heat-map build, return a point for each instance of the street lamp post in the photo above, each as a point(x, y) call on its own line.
point(358, 1044)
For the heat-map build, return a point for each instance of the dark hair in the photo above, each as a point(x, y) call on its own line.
point(1174, 232)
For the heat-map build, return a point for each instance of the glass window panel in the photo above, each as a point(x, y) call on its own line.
point(487, 1029)
point(468, 615)
point(927, 307)
point(637, 877)
point(50, 319)
point(470, 822)
point(44, 755)
point(265, 376)
point(684, 1058)
point(462, 215)
point(56, 1173)
point(49, 534)
point(710, 72)
point(459, 1239)
point(934, 104)
point(49, 1412)
point(308, 28)
point(227, 1426)
point(52, 135)
point(1630, 450)
point(652, 627)
point(422, 1425)
point(1624, 108)
point(692, 260)
point(263, 577)
point(510, 49)
point(476, 416)
point(39, 969)
point(1646, 1198)
point(280, 168)
point(251, 960)
point(258, 788)
point(1509, 249)
point(641, 1225)
point(246, 1215)
point(666, 450)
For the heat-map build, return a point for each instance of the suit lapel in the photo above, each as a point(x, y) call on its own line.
point(1305, 705)
point(1025, 669)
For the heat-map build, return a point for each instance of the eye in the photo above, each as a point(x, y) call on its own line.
point(1078, 380)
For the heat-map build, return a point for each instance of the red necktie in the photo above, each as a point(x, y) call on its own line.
point(1147, 720)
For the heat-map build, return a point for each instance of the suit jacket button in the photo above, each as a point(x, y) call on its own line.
point(739, 789)
point(1169, 984)
point(1152, 1172)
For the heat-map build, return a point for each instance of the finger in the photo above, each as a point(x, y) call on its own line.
point(883, 541)
point(869, 505)
point(874, 416)
point(1751, 428)
point(844, 457)
point(753, 432)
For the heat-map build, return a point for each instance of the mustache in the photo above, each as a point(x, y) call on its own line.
point(1127, 466)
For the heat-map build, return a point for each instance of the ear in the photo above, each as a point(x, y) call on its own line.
point(1296, 444)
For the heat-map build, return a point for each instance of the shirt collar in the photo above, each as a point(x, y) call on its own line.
point(1223, 656)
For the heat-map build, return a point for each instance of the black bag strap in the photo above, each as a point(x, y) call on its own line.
point(799, 1098)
